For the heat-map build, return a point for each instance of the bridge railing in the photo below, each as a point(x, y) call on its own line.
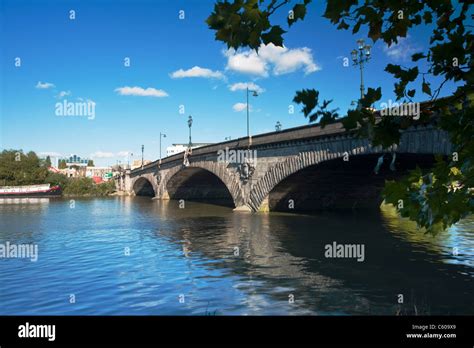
point(290, 134)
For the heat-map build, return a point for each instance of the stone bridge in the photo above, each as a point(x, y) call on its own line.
point(303, 168)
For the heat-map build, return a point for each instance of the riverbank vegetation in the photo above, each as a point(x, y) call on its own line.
point(18, 168)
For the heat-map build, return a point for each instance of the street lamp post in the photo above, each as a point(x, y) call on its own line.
point(164, 136)
point(278, 126)
point(360, 56)
point(130, 154)
point(143, 148)
point(255, 94)
point(190, 124)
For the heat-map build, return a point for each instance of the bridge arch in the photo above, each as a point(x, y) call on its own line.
point(353, 147)
point(172, 178)
point(144, 186)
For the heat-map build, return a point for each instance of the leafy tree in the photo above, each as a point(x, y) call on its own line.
point(87, 187)
point(312, 109)
point(62, 164)
point(17, 168)
point(47, 162)
point(79, 186)
point(442, 195)
point(105, 189)
point(90, 163)
point(245, 24)
point(57, 179)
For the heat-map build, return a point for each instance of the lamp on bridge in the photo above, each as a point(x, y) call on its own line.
point(255, 94)
point(164, 136)
point(360, 56)
point(143, 148)
point(190, 124)
point(278, 126)
point(130, 154)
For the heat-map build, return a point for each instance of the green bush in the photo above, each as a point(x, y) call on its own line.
point(79, 186)
point(87, 187)
point(57, 179)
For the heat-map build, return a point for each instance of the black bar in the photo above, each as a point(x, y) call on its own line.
point(137, 330)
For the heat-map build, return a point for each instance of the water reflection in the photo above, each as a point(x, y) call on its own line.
point(232, 263)
point(24, 200)
point(286, 251)
point(455, 245)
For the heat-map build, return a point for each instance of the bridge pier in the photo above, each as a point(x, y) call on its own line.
point(243, 208)
point(164, 196)
point(265, 205)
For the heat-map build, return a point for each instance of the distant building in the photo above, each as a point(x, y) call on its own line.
point(79, 171)
point(105, 173)
point(138, 163)
point(177, 148)
point(74, 172)
point(75, 160)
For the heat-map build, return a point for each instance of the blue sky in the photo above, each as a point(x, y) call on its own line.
point(83, 59)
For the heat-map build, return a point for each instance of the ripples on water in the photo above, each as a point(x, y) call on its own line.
point(192, 252)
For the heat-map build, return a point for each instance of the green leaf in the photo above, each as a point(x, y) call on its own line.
point(375, 30)
point(371, 97)
point(393, 69)
point(274, 36)
point(356, 27)
point(425, 87)
point(411, 74)
point(455, 171)
point(428, 17)
point(351, 121)
point(417, 56)
point(309, 99)
point(299, 12)
point(343, 25)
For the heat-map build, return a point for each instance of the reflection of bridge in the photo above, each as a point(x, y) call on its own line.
point(299, 167)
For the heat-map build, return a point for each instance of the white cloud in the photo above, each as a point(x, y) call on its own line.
point(142, 92)
point(271, 58)
point(197, 71)
point(239, 86)
point(239, 107)
point(100, 154)
point(44, 85)
point(247, 62)
point(63, 94)
point(401, 51)
point(123, 153)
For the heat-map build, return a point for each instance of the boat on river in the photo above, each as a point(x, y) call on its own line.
point(44, 190)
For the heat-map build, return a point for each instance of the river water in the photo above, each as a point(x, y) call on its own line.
point(137, 256)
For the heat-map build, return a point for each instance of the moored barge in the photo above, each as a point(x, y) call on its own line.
point(44, 190)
